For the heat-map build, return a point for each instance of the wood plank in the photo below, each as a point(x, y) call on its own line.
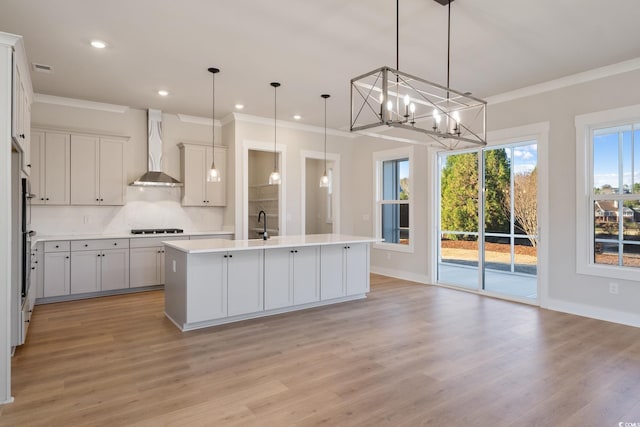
point(408, 355)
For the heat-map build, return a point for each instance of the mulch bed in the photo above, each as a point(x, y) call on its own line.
point(491, 247)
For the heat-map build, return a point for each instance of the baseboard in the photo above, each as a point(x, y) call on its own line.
point(624, 318)
point(399, 274)
point(7, 401)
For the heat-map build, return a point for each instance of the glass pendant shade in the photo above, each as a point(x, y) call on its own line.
point(324, 181)
point(214, 174)
point(274, 178)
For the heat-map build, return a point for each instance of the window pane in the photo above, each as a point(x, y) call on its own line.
point(395, 179)
point(605, 163)
point(459, 193)
point(606, 253)
point(631, 222)
point(636, 161)
point(605, 222)
point(525, 190)
point(627, 163)
point(526, 256)
point(395, 223)
point(497, 190)
point(631, 256)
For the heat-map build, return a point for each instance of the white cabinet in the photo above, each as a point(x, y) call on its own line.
point(147, 266)
point(21, 111)
point(292, 276)
point(245, 289)
point(57, 273)
point(195, 162)
point(97, 170)
point(207, 299)
point(50, 171)
point(344, 270)
point(96, 267)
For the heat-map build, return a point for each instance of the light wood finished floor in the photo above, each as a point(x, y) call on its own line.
point(409, 355)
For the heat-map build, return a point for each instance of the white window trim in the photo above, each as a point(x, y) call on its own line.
point(378, 158)
point(585, 124)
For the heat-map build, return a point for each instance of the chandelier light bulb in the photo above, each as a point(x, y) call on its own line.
point(412, 107)
point(324, 181)
point(381, 97)
point(407, 100)
point(389, 106)
point(274, 178)
point(213, 175)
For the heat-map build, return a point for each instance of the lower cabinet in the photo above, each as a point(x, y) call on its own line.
point(105, 270)
point(147, 266)
point(57, 271)
point(344, 270)
point(291, 277)
point(221, 284)
point(245, 293)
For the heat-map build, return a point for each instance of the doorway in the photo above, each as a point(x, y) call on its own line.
point(320, 206)
point(488, 228)
point(262, 196)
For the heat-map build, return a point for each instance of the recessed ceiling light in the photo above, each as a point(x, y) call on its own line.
point(239, 106)
point(98, 44)
point(297, 117)
point(163, 93)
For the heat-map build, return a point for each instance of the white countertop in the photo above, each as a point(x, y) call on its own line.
point(217, 245)
point(186, 234)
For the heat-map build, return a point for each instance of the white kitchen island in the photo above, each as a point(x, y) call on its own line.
point(211, 282)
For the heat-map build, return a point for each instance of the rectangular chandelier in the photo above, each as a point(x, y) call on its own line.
point(396, 99)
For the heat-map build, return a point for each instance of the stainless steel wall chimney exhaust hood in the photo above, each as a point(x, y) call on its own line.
point(154, 177)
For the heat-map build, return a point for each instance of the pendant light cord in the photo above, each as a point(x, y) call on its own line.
point(275, 126)
point(398, 35)
point(448, 46)
point(325, 136)
point(213, 119)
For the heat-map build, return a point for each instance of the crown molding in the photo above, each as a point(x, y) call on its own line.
point(205, 121)
point(246, 118)
point(79, 103)
point(574, 79)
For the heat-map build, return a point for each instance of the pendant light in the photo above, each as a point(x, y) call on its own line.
point(274, 178)
point(324, 180)
point(214, 174)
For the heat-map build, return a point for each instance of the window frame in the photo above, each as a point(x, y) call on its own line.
point(379, 157)
point(586, 126)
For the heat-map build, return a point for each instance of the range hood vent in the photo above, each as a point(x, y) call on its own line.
point(154, 177)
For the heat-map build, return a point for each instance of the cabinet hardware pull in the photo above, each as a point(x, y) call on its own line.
point(102, 200)
point(57, 246)
point(41, 198)
point(225, 256)
point(27, 321)
point(230, 256)
point(22, 135)
point(85, 245)
point(115, 244)
point(67, 257)
point(97, 200)
point(28, 166)
point(47, 198)
point(33, 268)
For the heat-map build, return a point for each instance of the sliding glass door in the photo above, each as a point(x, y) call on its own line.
point(499, 257)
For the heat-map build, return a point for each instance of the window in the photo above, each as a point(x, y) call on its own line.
point(609, 212)
point(393, 195)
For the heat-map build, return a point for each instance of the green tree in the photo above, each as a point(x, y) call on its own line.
point(459, 192)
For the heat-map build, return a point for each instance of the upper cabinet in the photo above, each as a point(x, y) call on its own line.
point(50, 158)
point(17, 94)
point(97, 170)
point(195, 162)
point(77, 169)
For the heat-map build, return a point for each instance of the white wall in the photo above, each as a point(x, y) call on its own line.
point(567, 290)
point(316, 198)
point(151, 208)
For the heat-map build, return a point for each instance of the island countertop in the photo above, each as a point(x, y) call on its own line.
point(214, 245)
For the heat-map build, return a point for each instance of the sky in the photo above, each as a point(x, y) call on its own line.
point(605, 158)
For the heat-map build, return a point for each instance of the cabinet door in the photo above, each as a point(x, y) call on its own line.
point(85, 271)
point(244, 280)
point(112, 176)
point(207, 290)
point(57, 274)
point(331, 272)
point(57, 156)
point(84, 170)
point(306, 275)
point(16, 104)
point(114, 269)
point(37, 167)
point(356, 268)
point(216, 191)
point(144, 268)
point(26, 129)
point(278, 286)
point(161, 266)
point(193, 176)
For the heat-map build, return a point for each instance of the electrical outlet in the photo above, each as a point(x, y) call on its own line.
point(613, 288)
point(87, 219)
point(174, 265)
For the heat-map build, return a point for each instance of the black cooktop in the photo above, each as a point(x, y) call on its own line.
point(156, 230)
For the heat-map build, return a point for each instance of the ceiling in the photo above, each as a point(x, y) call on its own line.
point(311, 47)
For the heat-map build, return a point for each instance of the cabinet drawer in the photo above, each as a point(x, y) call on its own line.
point(152, 242)
point(92, 245)
point(212, 236)
point(57, 246)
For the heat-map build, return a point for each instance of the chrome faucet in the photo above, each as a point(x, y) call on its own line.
point(265, 235)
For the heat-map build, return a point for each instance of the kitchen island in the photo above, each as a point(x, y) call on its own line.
point(211, 282)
